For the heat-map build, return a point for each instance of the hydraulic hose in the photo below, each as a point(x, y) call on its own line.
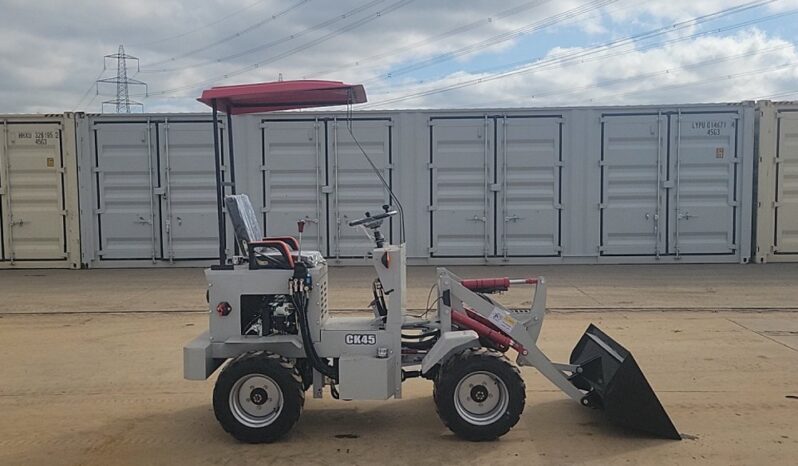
point(300, 300)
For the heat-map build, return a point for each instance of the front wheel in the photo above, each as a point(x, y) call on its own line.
point(258, 397)
point(479, 394)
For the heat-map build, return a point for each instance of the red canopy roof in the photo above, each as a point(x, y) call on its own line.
point(282, 95)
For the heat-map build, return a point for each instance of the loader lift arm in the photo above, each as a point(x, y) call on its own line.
point(601, 373)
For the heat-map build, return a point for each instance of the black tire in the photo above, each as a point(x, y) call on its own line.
point(493, 376)
point(276, 386)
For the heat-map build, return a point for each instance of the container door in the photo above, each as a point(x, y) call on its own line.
point(633, 184)
point(355, 187)
point(32, 191)
point(703, 166)
point(293, 168)
point(461, 184)
point(529, 167)
point(786, 227)
point(126, 177)
point(188, 190)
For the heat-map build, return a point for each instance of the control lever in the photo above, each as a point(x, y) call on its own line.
point(300, 225)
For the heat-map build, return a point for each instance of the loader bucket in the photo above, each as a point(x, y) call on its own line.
point(616, 384)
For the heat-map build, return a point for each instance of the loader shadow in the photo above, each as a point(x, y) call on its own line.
point(597, 436)
point(372, 430)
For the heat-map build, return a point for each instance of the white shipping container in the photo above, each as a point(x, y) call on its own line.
point(524, 186)
point(777, 183)
point(148, 189)
point(39, 216)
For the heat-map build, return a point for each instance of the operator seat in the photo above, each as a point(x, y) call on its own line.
point(245, 222)
point(263, 253)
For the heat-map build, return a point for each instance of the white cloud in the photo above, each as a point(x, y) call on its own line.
point(733, 68)
point(51, 51)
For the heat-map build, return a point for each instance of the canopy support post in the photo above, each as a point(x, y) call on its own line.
point(219, 186)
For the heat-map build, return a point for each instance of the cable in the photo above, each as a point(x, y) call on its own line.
point(530, 28)
point(204, 26)
point(299, 299)
point(581, 54)
point(452, 32)
point(384, 183)
point(713, 79)
point(356, 24)
point(290, 37)
point(225, 39)
point(93, 84)
point(666, 71)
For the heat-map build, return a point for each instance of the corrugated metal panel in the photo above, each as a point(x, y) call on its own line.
point(633, 149)
point(704, 157)
point(529, 170)
point(777, 182)
point(355, 187)
point(188, 202)
point(126, 177)
point(293, 166)
point(38, 192)
point(786, 212)
point(569, 185)
point(461, 200)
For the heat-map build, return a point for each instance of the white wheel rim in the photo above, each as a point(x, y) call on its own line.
point(481, 398)
point(256, 400)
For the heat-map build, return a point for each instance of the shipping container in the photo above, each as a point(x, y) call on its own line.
point(39, 215)
point(148, 189)
point(777, 183)
point(519, 186)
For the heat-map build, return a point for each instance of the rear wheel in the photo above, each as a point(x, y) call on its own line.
point(258, 397)
point(479, 394)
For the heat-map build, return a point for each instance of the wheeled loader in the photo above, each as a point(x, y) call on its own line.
point(271, 329)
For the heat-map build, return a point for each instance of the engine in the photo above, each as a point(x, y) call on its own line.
point(264, 315)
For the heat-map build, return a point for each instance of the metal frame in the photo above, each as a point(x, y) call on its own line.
point(524, 328)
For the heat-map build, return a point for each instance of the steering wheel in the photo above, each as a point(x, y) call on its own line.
point(376, 219)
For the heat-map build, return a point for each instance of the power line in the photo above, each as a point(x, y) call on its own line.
point(93, 86)
point(290, 37)
point(580, 54)
point(778, 94)
point(661, 72)
point(200, 28)
point(379, 14)
point(529, 28)
point(226, 38)
point(713, 79)
point(452, 32)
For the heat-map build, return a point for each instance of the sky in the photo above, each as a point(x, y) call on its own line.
point(407, 53)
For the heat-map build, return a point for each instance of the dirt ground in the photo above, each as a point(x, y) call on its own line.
point(84, 384)
point(571, 287)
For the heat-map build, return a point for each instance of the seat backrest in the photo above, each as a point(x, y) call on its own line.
point(245, 221)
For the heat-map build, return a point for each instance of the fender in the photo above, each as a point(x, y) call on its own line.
point(448, 344)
